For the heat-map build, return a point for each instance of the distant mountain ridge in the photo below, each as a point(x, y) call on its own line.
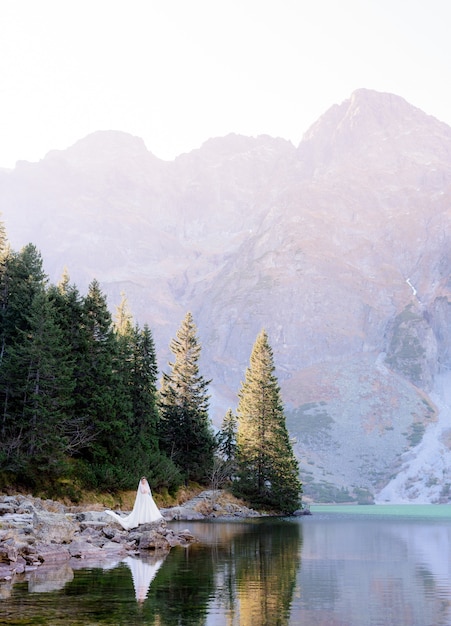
point(339, 247)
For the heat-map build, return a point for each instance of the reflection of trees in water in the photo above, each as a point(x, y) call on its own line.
point(63, 595)
point(244, 571)
point(251, 576)
point(185, 585)
point(357, 572)
point(266, 565)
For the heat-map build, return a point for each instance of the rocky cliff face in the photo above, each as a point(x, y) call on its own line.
point(338, 247)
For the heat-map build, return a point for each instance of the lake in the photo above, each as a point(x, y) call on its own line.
point(342, 566)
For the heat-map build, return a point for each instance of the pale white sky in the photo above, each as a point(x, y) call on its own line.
point(177, 72)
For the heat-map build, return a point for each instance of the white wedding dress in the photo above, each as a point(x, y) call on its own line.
point(144, 510)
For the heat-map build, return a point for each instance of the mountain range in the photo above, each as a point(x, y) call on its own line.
point(339, 247)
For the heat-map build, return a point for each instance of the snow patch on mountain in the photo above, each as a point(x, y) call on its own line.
point(425, 475)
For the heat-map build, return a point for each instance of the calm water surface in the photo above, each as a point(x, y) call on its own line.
point(374, 565)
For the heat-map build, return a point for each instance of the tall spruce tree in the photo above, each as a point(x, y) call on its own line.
point(5, 255)
point(225, 463)
point(136, 402)
point(268, 473)
point(22, 279)
point(67, 305)
point(144, 387)
point(3, 238)
point(39, 368)
point(227, 436)
point(95, 393)
point(185, 429)
point(123, 363)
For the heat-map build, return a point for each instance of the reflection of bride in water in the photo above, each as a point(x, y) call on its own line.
point(144, 510)
point(143, 572)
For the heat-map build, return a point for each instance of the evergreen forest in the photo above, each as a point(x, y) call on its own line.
point(81, 406)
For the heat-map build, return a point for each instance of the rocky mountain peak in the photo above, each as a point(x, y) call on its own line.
point(373, 129)
point(365, 110)
point(220, 151)
point(103, 148)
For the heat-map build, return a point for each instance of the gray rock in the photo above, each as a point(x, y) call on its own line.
point(150, 540)
point(90, 525)
point(26, 506)
point(182, 513)
point(109, 531)
point(81, 549)
point(98, 517)
point(173, 540)
point(17, 520)
point(113, 547)
point(186, 535)
point(52, 553)
point(10, 500)
point(5, 508)
point(53, 527)
point(8, 553)
point(19, 565)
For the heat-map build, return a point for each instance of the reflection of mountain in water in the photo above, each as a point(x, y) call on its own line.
point(374, 571)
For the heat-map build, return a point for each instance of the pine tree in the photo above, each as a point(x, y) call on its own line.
point(185, 429)
point(22, 279)
point(123, 321)
point(5, 288)
point(3, 239)
point(67, 305)
point(268, 473)
point(123, 365)
point(95, 392)
point(40, 373)
point(136, 398)
point(144, 386)
point(97, 345)
point(227, 437)
point(225, 462)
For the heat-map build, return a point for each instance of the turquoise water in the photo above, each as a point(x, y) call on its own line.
point(342, 566)
point(440, 511)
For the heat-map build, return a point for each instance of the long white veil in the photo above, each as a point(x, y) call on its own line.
point(144, 510)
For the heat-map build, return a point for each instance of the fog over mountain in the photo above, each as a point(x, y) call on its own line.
point(339, 247)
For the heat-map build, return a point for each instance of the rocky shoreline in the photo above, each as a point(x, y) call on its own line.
point(35, 533)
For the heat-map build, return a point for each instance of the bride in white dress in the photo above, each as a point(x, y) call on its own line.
point(144, 510)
